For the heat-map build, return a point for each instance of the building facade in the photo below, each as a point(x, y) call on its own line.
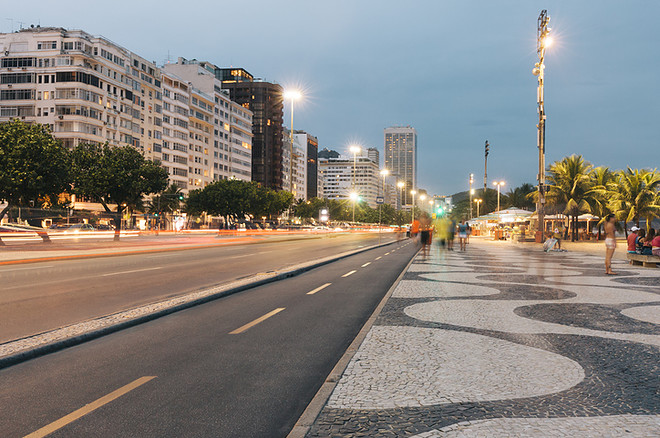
point(311, 146)
point(401, 157)
point(373, 155)
point(339, 174)
point(86, 88)
point(265, 100)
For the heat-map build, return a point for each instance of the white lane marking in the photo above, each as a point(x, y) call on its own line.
point(256, 321)
point(366, 264)
point(130, 272)
point(312, 292)
point(242, 255)
point(349, 273)
point(378, 258)
point(160, 256)
point(24, 269)
point(387, 253)
point(361, 246)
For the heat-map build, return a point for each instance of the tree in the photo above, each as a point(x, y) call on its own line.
point(115, 175)
point(519, 197)
point(167, 201)
point(568, 187)
point(633, 195)
point(597, 196)
point(34, 166)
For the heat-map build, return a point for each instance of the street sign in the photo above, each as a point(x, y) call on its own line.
point(380, 200)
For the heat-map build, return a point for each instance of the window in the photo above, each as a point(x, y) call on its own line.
point(16, 94)
point(47, 45)
point(17, 78)
point(18, 62)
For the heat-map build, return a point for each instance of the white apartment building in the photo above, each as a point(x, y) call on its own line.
point(338, 174)
point(86, 88)
point(221, 130)
point(299, 167)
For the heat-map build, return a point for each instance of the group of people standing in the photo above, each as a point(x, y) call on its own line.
point(443, 229)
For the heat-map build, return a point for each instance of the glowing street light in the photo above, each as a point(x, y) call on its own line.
point(291, 95)
point(384, 173)
point(499, 184)
point(401, 185)
point(471, 192)
point(355, 149)
point(478, 202)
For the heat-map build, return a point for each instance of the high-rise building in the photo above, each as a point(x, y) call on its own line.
point(401, 157)
point(265, 100)
point(86, 88)
point(311, 144)
point(373, 155)
point(339, 175)
point(220, 129)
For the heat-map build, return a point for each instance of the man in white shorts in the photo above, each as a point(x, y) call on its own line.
point(610, 243)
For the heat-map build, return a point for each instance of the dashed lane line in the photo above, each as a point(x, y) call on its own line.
point(387, 253)
point(378, 258)
point(256, 321)
point(24, 269)
point(349, 273)
point(73, 416)
point(312, 292)
point(130, 272)
point(366, 264)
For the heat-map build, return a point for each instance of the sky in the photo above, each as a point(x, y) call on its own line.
point(459, 71)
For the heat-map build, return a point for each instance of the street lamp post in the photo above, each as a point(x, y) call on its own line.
point(355, 150)
point(499, 184)
point(543, 40)
point(478, 202)
point(471, 193)
point(400, 185)
point(292, 95)
point(486, 150)
point(384, 173)
point(413, 193)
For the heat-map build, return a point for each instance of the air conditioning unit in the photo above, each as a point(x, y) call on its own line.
point(61, 117)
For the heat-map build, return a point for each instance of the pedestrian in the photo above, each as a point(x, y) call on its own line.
point(610, 243)
point(632, 240)
point(462, 235)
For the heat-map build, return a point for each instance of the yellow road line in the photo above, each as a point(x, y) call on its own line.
point(349, 273)
point(256, 321)
point(73, 416)
point(312, 292)
point(366, 264)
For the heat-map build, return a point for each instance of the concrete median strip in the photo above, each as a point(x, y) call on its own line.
point(26, 348)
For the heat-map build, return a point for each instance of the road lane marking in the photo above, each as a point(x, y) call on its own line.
point(24, 269)
point(378, 258)
point(130, 272)
point(366, 264)
point(73, 416)
point(387, 253)
point(349, 273)
point(312, 292)
point(256, 321)
point(243, 255)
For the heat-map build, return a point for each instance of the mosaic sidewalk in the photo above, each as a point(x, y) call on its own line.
point(505, 340)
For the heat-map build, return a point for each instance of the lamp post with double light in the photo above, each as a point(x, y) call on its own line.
point(413, 193)
point(354, 150)
point(471, 192)
point(292, 95)
point(384, 174)
point(543, 40)
point(478, 202)
point(499, 184)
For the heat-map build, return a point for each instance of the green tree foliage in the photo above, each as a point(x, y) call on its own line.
point(597, 196)
point(167, 201)
point(235, 199)
point(569, 186)
point(115, 175)
point(633, 194)
point(34, 166)
point(519, 197)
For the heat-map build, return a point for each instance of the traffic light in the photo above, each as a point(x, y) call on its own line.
point(487, 148)
point(181, 197)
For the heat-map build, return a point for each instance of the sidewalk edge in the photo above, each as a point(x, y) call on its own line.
point(41, 350)
point(309, 415)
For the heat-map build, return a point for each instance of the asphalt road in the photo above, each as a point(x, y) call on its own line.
point(38, 297)
point(245, 365)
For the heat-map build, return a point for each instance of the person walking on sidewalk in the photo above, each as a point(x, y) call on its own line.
point(610, 243)
point(462, 235)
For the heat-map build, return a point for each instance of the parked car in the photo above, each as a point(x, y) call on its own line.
point(77, 228)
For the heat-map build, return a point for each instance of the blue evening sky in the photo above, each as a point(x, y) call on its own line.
point(458, 71)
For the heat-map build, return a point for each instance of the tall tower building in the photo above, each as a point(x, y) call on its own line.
point(401, 157)
point(373, 155)
point(266, 102)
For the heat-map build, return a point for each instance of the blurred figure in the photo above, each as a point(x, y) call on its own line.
point(425, 232)
point(610, 243)
point(462, 235)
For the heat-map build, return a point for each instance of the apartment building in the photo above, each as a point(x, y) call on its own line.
point(401, 157)
point(341, 176)
point(86, 88)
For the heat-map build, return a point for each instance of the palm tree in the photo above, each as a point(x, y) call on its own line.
point(519, 197)
point(598, 197)
point(568, 185)
point(633, 195)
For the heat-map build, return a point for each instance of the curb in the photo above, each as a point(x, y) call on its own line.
point(225, 290)
point(309, 415)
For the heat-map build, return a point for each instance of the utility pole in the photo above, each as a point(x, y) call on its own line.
point(486, 149)
point(542, 41)
point(471, 193)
